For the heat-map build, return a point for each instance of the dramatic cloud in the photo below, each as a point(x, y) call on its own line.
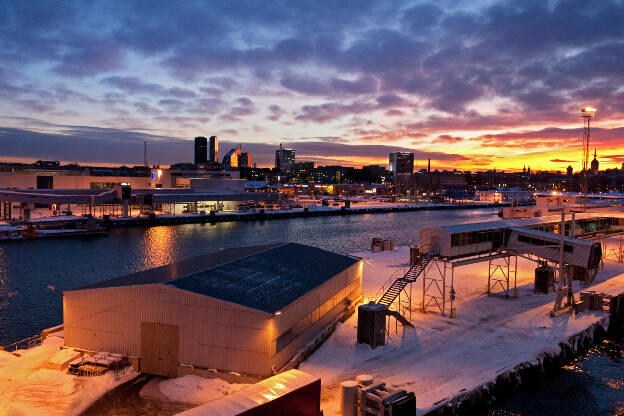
point(125, 146)
point(412, 74)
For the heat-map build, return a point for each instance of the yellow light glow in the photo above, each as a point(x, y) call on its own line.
point(159, 173)
point(270, 397)
point(589, 110)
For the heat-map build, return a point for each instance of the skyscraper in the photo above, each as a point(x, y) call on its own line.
point(401, 162)
point(284, 159)
point(244, 160)
point(214, 150)
point(232, 158)
point(201, 150)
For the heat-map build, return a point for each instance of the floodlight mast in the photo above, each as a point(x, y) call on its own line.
point(587, 113)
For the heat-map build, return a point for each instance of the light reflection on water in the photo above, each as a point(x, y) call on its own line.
point(591, 385)
point(158, 247)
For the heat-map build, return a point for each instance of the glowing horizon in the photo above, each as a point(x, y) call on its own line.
point(459, 82)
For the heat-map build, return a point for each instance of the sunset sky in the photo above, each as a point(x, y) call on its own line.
point(470, 84)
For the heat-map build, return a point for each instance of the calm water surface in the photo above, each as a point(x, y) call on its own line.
point(33, 275)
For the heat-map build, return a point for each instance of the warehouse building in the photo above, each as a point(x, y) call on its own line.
point(248, 310)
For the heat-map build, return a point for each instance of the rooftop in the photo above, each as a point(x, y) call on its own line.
point(178, 269)
point(522, 222)
point(266, 278)
point(270, 280)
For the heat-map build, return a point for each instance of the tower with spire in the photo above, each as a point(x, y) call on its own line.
point(595, 164)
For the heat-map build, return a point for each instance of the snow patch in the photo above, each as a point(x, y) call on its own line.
point(196, 390)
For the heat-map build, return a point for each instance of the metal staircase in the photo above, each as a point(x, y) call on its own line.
point(399, 318)
point(410, 277)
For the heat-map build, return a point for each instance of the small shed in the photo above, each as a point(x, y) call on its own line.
point(248, 310)
point(292, 393)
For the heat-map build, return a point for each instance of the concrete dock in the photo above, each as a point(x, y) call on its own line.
point(447, 361)
point(264, 215)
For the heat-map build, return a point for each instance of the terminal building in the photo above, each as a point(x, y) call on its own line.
point(248, 310)
point(172, 191)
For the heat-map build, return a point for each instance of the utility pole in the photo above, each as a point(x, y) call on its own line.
point(145, 152)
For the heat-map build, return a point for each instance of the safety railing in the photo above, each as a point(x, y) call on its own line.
point(25, 343)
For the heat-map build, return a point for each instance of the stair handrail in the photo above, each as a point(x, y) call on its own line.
point(393, 277)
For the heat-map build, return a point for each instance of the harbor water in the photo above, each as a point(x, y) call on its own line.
point(33, 275)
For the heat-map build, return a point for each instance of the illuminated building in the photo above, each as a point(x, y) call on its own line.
point(284, 159)
point(248, 309)
point(244, 160)
point(214, 150)
point(401, 162)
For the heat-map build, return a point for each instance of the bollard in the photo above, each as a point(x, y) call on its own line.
point(364, 379)
point(348, 398)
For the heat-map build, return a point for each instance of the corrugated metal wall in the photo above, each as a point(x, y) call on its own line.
point(213, 333)
point(318, 307)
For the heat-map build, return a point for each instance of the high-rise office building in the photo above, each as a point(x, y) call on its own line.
point(201, 150)
point(232, 158)
point(213, 152)
point(401, 162)
point(284, 159)
point(244, 160)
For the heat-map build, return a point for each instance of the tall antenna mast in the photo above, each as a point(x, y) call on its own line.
point(587, 113)
point(145, 152)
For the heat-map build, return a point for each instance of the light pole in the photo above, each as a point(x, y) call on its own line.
point(587, 113)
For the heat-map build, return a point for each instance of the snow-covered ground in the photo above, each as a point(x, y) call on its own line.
point(27, 388)
point(197, 390)
point(441, 356)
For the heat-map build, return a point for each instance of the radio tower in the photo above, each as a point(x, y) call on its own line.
point(145, 152)
point(587, 113)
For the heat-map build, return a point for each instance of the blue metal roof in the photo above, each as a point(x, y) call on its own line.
point(180, 268)
point(268, 280)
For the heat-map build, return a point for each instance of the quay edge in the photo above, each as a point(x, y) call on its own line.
point(507, 380)
point(272, 215)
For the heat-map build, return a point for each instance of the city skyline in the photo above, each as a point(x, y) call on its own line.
point(469, 85)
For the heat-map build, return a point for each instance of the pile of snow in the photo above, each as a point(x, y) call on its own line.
point(196, 390)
